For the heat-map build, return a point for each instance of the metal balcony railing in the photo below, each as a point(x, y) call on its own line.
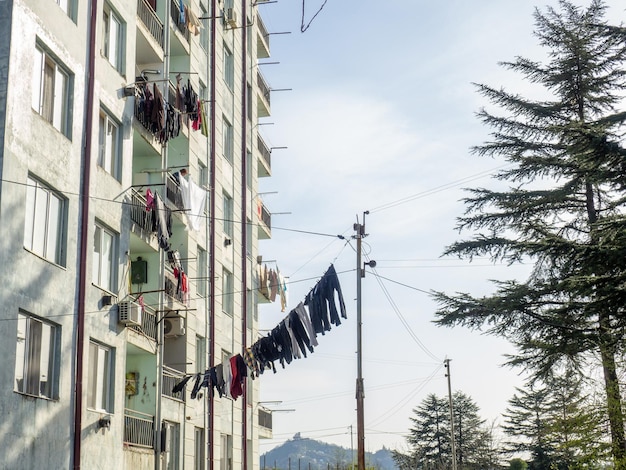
point(173, 193)
point(263, 86)
point(266, 216)
point(150, 19)
point(265, 152)
point(148, 323)
point(171, 288)
point(138, 429)
point(265, 419)
point(170, 378)
point(175, 14)
point(138, 212)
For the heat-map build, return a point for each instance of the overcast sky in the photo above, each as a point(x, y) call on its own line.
point(380, 118)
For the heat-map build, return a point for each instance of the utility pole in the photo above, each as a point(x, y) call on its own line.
point(453, 446)
point(360, 392)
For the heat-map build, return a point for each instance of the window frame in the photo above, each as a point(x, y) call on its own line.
point(111, 285)
point(109, 161)
point(228, 297)
point(202, 272)
point(228, 143)
point(229, 68)
point(113, 45)
point(228, 206)
point(100, 383)
point(68, 7)
point(31, 366)
point(35, 188)
point(52, 85)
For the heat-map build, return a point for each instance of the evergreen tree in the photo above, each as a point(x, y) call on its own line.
point(430, 434)
point(564, 211)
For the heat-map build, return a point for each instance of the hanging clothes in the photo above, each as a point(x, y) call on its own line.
point(194, 200)
point(163, 223)
point(306, 322)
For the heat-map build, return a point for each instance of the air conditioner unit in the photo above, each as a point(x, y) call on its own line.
point(129, 313)
point(231, 17)
point(174, 326)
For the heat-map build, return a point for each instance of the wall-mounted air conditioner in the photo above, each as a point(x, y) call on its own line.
point(231, 17)
point(129, 313)
point(173, 326)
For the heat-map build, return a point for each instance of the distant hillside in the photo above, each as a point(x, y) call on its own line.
point(316, 455)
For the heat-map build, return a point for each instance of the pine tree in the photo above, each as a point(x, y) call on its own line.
point(564, 210)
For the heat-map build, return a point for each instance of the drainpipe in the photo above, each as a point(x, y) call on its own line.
point(212, 234)
point(244, 225)
point(158, 428)
point(84, 230)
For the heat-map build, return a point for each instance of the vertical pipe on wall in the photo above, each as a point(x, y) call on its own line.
point(84, 230)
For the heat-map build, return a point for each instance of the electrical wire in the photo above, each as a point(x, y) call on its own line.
point(303, 28)
point(437, 189)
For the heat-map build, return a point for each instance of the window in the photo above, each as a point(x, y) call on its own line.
point(203, 175)
point(99, 393)
point(113, 38)
point(229, 68)
point(200, 353)
point(199, 449)
point(227, 293)
point(228, 215)
point(172, 445)
point(44, 228)
point(104, 259)
point(51, 91)
point(249, 169)
point(36, 358)
point(249, 237)
point(226, 461)
point(69, 7)
point(249, 101)
point(228, 144)
point(110, 145)
point(204, 32)
point(203, 273)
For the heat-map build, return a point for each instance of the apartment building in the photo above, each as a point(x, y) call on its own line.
point(130, 223)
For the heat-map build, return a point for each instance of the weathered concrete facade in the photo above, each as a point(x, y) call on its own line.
point(120, 297)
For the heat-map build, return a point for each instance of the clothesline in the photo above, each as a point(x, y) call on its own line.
point(290, 339)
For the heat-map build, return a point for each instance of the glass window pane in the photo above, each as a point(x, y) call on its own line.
point(41, 215)
point(29, 219)
point(93, 374)
point(47, 344)
point(20, 352)
point(101, 140)
point(97, 256)
point(107, 260)
point(47, 99)
point(60, 99)
point(34, 356)
point(114, 42)
point(36, 82)
point(52, 242)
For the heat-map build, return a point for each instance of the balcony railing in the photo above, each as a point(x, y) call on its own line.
point(148, 323)
point(263, 87)
point(171, 288)
point(263, 42)
point(175, 14)
point(138, 212)
point(265, 419)
point(266, 216)
point(170, 378)
point(138, 429)
point(150, 19)
point(173, 193)
point(265, 152)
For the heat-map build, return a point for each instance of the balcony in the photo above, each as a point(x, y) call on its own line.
point(173, 193)
point(174, 297)
point(148, 324)
point(151, 21)
point(265, 423)
point(142, 219)
point(265, 223)
point(263, 40)
point(265, 162)
point(138, 429)
point(263, 96)
point(180, 42)
point(170, 378)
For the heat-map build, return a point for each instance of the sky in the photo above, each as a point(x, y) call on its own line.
point(376, 104)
